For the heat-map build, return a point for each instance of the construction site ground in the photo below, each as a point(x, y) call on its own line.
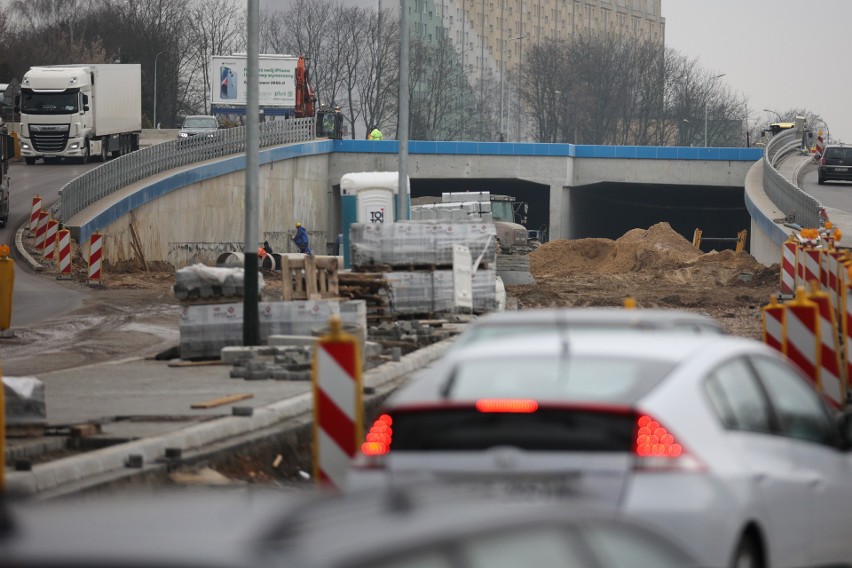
point(135, 313)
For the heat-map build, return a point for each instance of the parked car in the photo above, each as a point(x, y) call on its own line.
point(524, 322)
point(716, 440)
point(196, 124)
point(835, 163)
point(411, 528)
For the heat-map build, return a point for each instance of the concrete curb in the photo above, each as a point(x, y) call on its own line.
point(53, 476)
point(19, 246)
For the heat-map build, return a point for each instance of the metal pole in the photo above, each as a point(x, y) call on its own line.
point(155, 87)
point(502, 81)
point(502, 66)
point(705, 108)
point(251, 319)
point(402, 198)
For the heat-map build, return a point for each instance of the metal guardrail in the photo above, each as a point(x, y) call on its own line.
point(798, 206)
point(105, 180)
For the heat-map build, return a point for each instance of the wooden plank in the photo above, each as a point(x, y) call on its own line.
point(287, 277)
point(138, 246)
point(220, 401)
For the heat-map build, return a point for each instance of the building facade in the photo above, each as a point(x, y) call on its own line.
point(489, 38)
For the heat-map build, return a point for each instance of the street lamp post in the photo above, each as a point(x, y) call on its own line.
point(775, 113)
point(502, 82)
point(155, 87)
point(705, 109)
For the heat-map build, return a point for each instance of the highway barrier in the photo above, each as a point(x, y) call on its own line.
point(801, 334)
point(41, 229)
point(50, 239)
point(64, 238)
point(338, 404)
point(34, 213)
point(95, 254)
point(830, 378)
point(773, 324)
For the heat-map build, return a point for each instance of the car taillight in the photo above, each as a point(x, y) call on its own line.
point(379, 438)
point(508, 405)
point(657, 449)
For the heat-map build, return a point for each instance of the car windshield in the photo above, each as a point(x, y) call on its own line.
point(584, 379)
point(200, 122)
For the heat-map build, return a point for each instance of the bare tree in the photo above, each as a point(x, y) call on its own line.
point(215, 27)
point(378, 73)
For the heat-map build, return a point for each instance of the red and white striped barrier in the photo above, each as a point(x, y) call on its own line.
point(50, 239)
point(773, 324)
point(801, 339)
point(34, 213)
point(812, 266)
point(829, 377)
point(789, 264)
point(95, 253)
point(338, 405)
point(64, 254)
point(820, 145)
point(41, 229)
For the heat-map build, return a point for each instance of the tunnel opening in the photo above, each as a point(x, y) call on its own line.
point(609, 210)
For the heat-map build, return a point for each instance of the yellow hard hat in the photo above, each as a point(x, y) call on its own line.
point(298, 224)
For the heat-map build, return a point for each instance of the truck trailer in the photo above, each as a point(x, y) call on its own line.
point(80, 111)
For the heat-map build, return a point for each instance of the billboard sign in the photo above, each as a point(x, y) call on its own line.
point(276, 73)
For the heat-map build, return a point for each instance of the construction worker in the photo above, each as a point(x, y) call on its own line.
point(375, 133)
point(301, 240)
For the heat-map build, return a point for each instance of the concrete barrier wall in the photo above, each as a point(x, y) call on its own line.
point(203, 219)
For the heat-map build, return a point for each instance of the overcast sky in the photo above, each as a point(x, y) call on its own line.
point(781, 54)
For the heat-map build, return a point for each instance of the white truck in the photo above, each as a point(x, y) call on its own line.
point(80, 111)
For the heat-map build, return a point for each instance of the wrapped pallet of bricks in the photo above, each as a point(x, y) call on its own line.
point(211, 284)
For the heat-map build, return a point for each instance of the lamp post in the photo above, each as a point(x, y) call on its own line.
point(775, 113)
point(705, 108)
point(502, 82)
point(155, 87)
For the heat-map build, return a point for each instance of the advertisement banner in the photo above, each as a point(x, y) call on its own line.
point(276, 74)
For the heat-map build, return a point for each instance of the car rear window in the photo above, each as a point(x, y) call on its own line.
point(843, 155)
point(577, 379)
point(546, 429)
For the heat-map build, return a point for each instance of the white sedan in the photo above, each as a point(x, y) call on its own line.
point(715, 440)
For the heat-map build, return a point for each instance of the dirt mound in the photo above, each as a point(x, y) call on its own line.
point(657, 248)
point(657, 267)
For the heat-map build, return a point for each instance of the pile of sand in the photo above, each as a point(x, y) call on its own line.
point(659, 251)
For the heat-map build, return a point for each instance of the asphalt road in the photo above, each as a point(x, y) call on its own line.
point(35, 297)
point(834, 194)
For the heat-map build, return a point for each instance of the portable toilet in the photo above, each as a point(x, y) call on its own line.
point(369, 197)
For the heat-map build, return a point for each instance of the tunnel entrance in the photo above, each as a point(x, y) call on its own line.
point(536, 195)
point(608, 210)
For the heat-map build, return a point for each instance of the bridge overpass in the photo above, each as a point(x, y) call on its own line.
point(190, 210)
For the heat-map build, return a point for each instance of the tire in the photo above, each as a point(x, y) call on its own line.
point(748, 554)
point(104, 152)
point(30, 161)
point(85, 157)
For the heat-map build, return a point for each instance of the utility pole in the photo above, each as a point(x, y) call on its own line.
point(251, 318)
point(705, 106)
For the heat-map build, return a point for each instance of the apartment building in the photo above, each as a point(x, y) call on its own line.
point(488, 33)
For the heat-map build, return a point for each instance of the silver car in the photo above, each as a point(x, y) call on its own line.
point(523, 322)
point(715, 440)
point(411, 528)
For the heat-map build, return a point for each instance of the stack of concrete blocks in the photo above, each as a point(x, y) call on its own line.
point(428, 247)
point(463, 211)
point(208, 283)
point(25, 406)
point(206, 328)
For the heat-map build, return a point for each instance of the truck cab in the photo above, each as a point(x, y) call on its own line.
point(79, 111)
point(54, 121)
